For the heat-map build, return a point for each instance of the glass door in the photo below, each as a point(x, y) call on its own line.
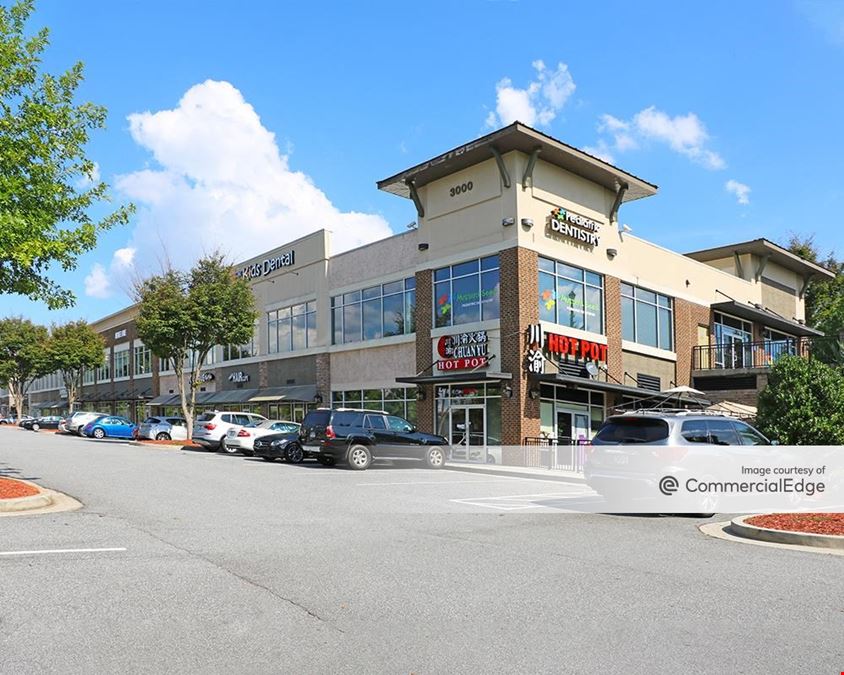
point(468, 433)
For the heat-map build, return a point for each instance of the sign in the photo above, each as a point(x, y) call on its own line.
point(263, 268)
point(239, 377)
point(208, 377)
point(559, 345)
point(119, 334)
point(464, 351)
point(573, 226)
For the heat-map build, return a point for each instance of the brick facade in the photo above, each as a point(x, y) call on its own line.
point(687, 317)
point(612, 314)
point(424, 323)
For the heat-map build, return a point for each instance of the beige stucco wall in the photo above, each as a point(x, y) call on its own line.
point(383, 260)
point(648, 365)
point(372, 367)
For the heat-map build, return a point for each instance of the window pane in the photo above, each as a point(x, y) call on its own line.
point(352, 395)
point(627, 289)
point(489, 263)
point(490, 296)
point(372, 319)
point(284, 314)
point(311, 330)
point(442, 304)
point(594, 310)
point(351, 323)
point(442, 274)
point(410, 312)
point(466, 302)
point(664, 329)
point(373, 396)
point(547, 297)
point(284, 336)
point(569, 272)
point(647, 296)
point(393, 315)
point(646, 324)
point(354, 296)
point(300, 338)
point(664, 301)
point(594, 279)
point(272, 332)
point(311, 306)
point(394, 287)
point(410, 282)
point(337, 325)
point(628, 324)
point(546, 265)
point(464, 268)
point(570, 301)
point(369, 293)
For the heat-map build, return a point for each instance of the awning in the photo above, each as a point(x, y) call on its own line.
point(763, 316)
point(164, 399)
point(299, 392)
point(42, 405)
point(229, 396)
point(739, 410)
point(612, 387)
point(456, 378)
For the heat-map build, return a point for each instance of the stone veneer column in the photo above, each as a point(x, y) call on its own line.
point(612, 313)
point(424, 323)
point(519, 309)
point(323, 377)
point(687, 317)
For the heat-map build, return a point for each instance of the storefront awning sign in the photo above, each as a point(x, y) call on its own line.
point(464, 351)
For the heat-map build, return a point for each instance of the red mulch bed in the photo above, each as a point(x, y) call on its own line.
point(187, 444)
point(815, 523)
point(12, 489)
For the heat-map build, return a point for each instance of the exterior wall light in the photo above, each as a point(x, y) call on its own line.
point(527, 223)
point(612, 253)
point(318, 399)
point(420, 394)
point(507, 391)
point(533, 392)
point(507, 222)
point(423, 246)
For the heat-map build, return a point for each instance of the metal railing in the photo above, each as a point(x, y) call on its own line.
point(763, 354)
point(561, 453)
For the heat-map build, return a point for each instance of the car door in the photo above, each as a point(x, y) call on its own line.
point(406, 440)
point(123, 427)
point(385, 439)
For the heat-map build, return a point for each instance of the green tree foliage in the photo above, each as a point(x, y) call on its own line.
point(74, 347)
point(183, 316)
point(24, 350)
point(803, 403)
point(824, 297)
point(47, 184)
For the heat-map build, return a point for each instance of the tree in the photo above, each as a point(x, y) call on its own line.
point(824, 297)
point(74, 347)
point(803, 403)
point(23, 356)
point(183, 316)
point(47, 184)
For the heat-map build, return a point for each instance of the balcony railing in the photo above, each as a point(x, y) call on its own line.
point(732, 355)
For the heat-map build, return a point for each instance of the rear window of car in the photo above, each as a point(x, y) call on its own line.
point(316, 418)
point(152, 420)
point(205, 417)
point(632, 430)
point(347, 419)
point(175, 421)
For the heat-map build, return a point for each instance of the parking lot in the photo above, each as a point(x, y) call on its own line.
point(191, 561)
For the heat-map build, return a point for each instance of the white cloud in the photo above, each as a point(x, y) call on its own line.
point(97, 284)
point(601, 150)
point(222, 183)
point(100, 283)
point(535, 105)
point(91, 179)
point(740, 190)
point(684, 134)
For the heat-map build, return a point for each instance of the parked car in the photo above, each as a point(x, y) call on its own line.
point(46, 422)
point(110, 426)
point(286, 446)
point(163, 429)
point(241, 439)
point(356, 437)
point(13, 419)
point(211, 427)
point(76, 421)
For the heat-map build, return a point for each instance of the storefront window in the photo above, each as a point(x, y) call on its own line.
point(233, 352)
point(104, 371)
point(121, 363)
point(142, 359)
point(467, 292)
point(375, 312)
point(290, 328)
point(570, 416)
point(571, 296)
point(647, 317)
point(399, 401)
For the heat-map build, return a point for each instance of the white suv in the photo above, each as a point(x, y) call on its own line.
point(210, 428)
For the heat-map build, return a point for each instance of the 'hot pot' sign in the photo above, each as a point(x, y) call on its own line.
point(464, 351)
point(575, 347)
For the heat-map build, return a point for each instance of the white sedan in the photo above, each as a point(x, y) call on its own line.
point(242, 438)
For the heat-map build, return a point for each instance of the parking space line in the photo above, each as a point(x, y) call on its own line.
point(61, 550)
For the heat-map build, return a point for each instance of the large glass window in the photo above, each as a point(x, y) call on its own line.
point(647, 317)
point(104, 371)
point(121, 364)
point(571, 296)
point(375, 312)
point(233, 352)
point(399, 401)
point(467, 292)
point(290, 328)
point(142, 360)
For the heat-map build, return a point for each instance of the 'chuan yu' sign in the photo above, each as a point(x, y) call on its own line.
point(464, 351)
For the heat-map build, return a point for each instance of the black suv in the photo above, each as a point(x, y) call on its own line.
point(356, 437)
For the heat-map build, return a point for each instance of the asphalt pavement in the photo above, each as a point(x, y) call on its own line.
point(187, 562)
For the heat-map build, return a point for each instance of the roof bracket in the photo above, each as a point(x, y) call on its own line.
point(805, 285)
point(414, 195)
point(527, 177)
point(763, 262)
point(505, 177)
point(616, 205)
point(739, 268)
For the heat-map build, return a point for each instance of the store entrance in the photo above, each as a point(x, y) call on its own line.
point(572, 424)
point(467, 429)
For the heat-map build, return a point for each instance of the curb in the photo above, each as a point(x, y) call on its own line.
point(740, 528)
point(514, 473)
point(41, 500)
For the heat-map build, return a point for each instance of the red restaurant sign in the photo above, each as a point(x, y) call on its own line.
point(464, 351)
point(575, 347)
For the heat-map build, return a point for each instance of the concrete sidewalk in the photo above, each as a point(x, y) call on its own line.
point(518, 472)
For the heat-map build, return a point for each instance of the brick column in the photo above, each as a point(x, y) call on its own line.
point(687, 317)
point(424, 323)
point(323, 377)
point(519, 309)
point(612, 310)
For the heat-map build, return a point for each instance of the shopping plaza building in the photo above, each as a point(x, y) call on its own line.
point(517, 308)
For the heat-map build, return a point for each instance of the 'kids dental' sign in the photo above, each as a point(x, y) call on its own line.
point(573, 226)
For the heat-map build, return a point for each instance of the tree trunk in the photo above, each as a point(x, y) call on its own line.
point(16, 390)
point(70, 383)
point(187, 405)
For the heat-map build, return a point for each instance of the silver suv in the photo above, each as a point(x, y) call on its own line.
point(210, 428)
point(676, 428)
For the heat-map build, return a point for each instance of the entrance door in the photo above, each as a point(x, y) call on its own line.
point(468, 433)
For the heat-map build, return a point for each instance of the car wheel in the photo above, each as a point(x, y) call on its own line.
point(36, 427)
point(359, 457)
point(162, 436)
point(225, 448)
point(326, 461)
point(268, 459)
point(294, 454)
point(435, 457)
point(98, 433)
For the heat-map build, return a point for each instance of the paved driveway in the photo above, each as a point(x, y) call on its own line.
point(226, 564)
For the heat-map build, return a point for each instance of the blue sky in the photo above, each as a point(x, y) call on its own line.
point(242, 125)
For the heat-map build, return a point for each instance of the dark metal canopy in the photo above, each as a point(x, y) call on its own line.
point(763, 316)
point(456, 378)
